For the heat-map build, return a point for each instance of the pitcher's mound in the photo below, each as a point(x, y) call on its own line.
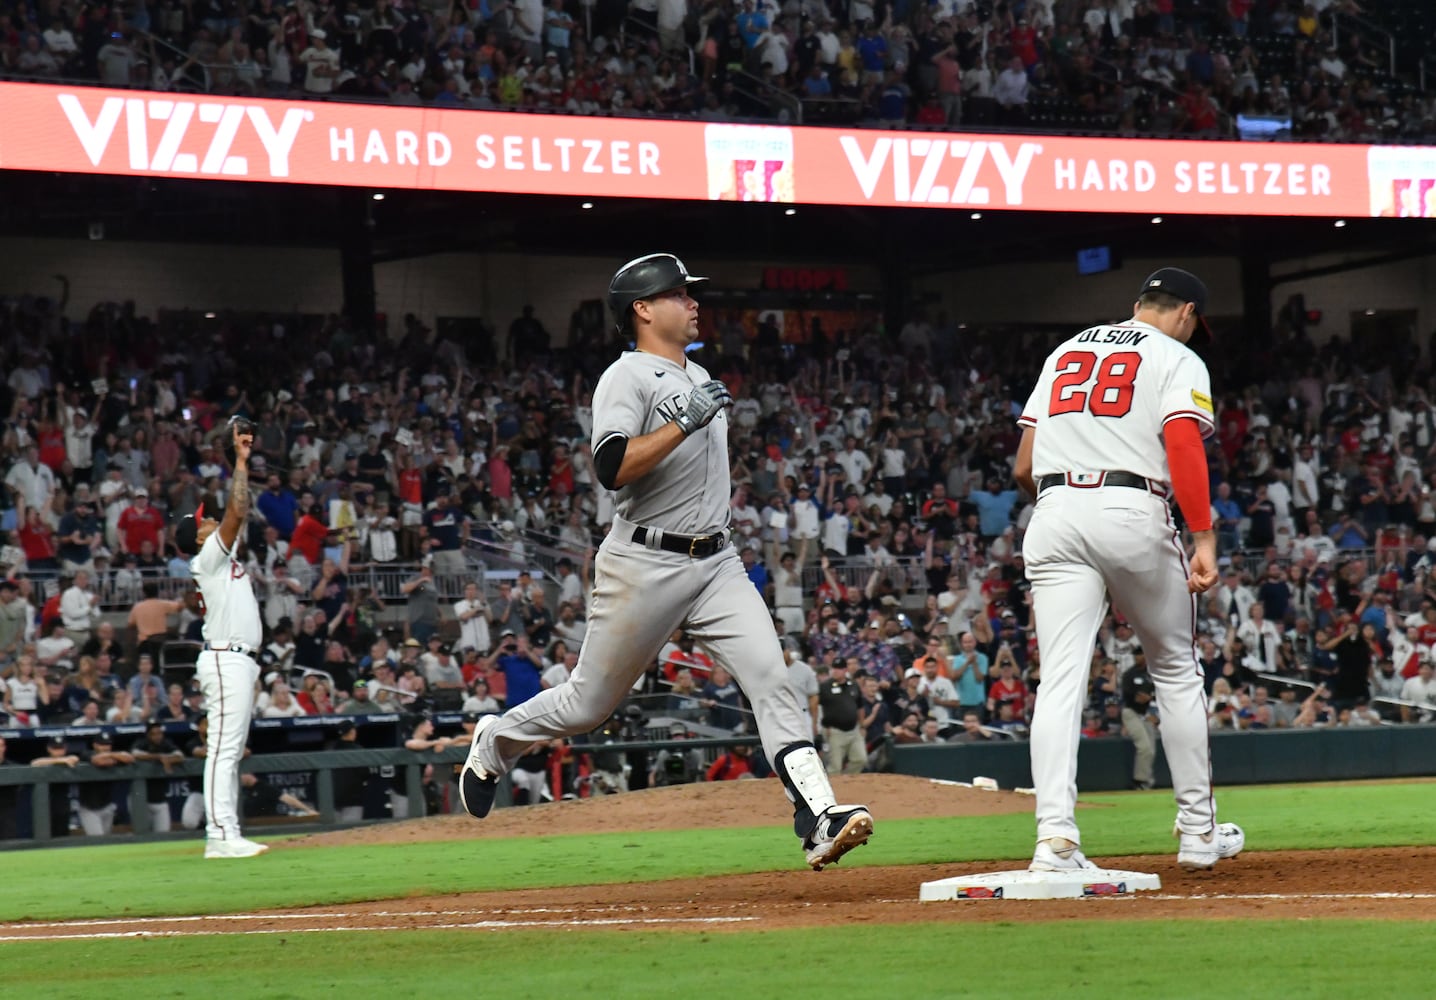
point(683, 807)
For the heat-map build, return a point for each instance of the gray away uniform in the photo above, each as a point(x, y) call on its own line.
point(642, 592)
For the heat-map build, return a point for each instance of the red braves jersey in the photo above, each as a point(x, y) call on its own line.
point(1104, 396)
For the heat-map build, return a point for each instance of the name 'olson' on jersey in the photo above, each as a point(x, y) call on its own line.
point(1104, 396)
point(686, 492)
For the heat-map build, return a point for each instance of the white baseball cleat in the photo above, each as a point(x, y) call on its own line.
point(1201, 851)
point(239, 847)
point(839, 830)
point(1058, 854)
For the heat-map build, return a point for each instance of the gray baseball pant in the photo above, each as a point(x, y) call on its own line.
point(640, 597)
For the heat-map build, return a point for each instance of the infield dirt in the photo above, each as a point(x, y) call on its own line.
point(1387, 883)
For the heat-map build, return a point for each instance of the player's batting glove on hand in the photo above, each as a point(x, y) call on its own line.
point(703, 406)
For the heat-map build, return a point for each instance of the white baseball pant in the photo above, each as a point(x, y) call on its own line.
point(160, 820)
point(192, 813)
point(97, 822)
point(1082, 545)
point(227, 679)
point(533, 782)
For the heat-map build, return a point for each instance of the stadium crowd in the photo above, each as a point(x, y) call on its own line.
point(1123, 66)
point(874, 507)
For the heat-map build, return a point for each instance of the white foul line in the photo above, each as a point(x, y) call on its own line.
point(507, 924)
point(1295, 895)
point(475, 925)
point(336, 915)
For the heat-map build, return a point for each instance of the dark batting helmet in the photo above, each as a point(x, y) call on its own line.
point(644, 278)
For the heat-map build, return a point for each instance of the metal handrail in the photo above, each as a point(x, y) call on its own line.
point(774, 94)
point(1366, 29)
point(182, 55)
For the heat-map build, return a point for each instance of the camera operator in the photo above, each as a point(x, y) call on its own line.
point(627, 726)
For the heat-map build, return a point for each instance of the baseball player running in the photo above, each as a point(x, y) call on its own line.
point(667, 565)
point(232, 634)
point(1112, 430)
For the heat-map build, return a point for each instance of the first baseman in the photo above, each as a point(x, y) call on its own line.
point(667, 564)
point(1111, 433)
point(226, 669)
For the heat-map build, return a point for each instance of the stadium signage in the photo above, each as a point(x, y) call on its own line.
point(919, 163)
point(93, 130)
point(171, 149)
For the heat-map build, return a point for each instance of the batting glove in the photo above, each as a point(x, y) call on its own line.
point(703, 405)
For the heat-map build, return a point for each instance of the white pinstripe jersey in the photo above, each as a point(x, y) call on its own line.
point(1104, 396)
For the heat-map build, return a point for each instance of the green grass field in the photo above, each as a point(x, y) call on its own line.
point(1227, 960)
point(1321, 958)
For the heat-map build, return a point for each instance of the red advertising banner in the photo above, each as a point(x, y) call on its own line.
point(142, 133)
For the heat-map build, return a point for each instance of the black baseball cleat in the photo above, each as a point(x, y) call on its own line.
point(477, 787)
point(839, 830)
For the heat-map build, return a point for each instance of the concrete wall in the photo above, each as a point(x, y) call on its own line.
point(496, 286)
point(171, 275)
point(1055, 293)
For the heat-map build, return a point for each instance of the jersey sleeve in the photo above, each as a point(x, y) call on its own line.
point(212, 555)
point(1188, 393)
point(1036, 407)
point(620, 405)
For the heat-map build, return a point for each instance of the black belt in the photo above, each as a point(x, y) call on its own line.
point(692, 546)
point(1092, 480)
point(232, 647)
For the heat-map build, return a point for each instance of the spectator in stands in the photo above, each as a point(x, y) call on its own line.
point(722, 699)
point(79, 609)
point(15, 621)
point(521, 666)
point(146, 689)
point(173, 708)
point(150, 620)
point(423, 604)
point(473, 615)
point(969, 669)
point(24, 692)
point(55, 649)
point(281, 595)
point(446, 528)
point(282, 703)
point(731, 765)
point(79, 536)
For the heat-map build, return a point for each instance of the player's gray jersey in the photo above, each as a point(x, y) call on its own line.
point(687, 492)
point(231, 613)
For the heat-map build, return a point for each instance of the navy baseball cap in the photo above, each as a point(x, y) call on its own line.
point(1182, 285)
point(187, 534)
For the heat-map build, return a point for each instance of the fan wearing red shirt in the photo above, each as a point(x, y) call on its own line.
point(309, 535)
point(1008, 688)
point(1426, 631)
point(560, 478)
point(1024, 43)
point(140, 523)
point(37, 539)
point(51, 440)
point(731, 766)
point(698, 663)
